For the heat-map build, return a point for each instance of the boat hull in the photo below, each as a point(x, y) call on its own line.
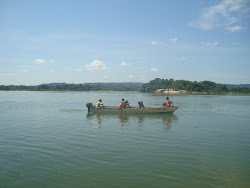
point(133, 110)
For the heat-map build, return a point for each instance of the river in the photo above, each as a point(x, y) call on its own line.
point(48, 139)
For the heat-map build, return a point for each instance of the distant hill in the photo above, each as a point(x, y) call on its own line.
point(237, 85)
point(54, 84)
point(113, 86)
point(152, 86)
point(137, 84)
point(134, 84)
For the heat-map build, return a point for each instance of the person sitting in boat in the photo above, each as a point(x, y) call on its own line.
point(99, 104)
point(168, 103)
point(127, 104)
point(122, 104)
point(141, 105)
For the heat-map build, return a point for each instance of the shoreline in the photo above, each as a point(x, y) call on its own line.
point(182, 92)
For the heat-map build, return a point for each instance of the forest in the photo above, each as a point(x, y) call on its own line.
point(150, 87)
point(129, 86)
point(204, 86)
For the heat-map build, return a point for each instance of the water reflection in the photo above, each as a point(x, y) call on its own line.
point(167, 119)
point(95, 118)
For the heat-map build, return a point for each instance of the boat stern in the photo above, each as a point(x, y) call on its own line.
point(89, 105)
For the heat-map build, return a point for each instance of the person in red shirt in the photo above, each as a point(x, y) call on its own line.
point(122, 104)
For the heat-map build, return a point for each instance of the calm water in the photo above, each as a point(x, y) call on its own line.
point(47, 139)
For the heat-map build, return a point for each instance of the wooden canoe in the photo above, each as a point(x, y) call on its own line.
point(132, 110)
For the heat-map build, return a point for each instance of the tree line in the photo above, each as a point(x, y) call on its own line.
point(152, 86)
point(204, 86)
point(75, 87)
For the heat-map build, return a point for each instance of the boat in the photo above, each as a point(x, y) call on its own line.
point(131, 110)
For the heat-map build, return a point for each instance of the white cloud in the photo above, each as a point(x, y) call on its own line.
point(155, 70)
point(174, 40)
point(124, 64)
point(183, 59)
point(223, 14)
point(52, 61)
point(39, 61)
point(131, 76)
point(155, 42)
point(96, 65)
point(234, 28)
point(212, 44)
point(79, 69)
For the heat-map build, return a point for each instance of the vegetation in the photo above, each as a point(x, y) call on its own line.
point(76, 87)
point(205, 86)
point(238, 86)
point(152, 86)
point(240, 90)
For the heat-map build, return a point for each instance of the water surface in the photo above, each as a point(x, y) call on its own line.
point(48, 139)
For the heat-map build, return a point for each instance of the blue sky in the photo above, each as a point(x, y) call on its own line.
point(124, 41)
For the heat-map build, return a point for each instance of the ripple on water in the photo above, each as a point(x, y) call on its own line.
point(48, 139)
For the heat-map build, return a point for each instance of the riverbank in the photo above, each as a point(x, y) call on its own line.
point(183, 92)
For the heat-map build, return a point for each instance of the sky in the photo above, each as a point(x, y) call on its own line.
point(124, 41)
